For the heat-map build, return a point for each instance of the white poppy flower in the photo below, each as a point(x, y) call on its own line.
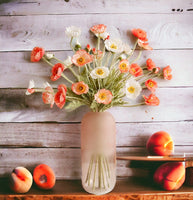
point(126, 49)
point(73, 31)
point(99, 72)
point(133, 89)
point(68, 61)
point(114, 45)
point(103, 35)
point(49, 55)
point(30, 89)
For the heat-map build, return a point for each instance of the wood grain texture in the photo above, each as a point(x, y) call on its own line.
point(20, 68)
point(164, 31)
point(130, 189)
point(66, 161)
point(68, 135)
point(176, 105)
point(42, 7)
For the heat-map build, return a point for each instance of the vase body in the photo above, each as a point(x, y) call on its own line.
point(98, 152)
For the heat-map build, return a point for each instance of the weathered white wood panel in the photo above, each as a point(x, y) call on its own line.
point(21, 70)
point(40, 7)
point(68, 135)
point(64, 161)
point(176, 105)
point(57, 144)
point(164, 31)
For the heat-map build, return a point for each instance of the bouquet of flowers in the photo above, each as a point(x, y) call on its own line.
point(102, 76)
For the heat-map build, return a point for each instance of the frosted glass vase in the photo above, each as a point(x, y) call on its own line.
point(98, 152)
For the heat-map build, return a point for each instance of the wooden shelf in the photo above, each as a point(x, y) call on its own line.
point(127, 189)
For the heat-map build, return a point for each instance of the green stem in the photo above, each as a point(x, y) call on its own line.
point(134, 47)
point(71, 44)
point(107, 164)
point(142, 76)
point(95, 173)
point(103, 177)
point(99, 83)
point(99, 171)
point(135, 105)
point(98, 42)
point(89, 66)
point(87, 72)
point(78, 99)
point(89, 170)
point(66, 78)
point(45, 60)
point(139, 55)
point(107, 59)
point(39, 90)
point(112, 62)
point(102, 55)
point(106, 171)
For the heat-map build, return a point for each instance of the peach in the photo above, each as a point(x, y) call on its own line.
point(21, 180)
point(160, 144)
point(44, 177)
point(170, 175)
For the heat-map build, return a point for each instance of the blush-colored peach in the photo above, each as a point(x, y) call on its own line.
point(20, 180)
point(170, 175)
point(160, 144)
point(44, 177)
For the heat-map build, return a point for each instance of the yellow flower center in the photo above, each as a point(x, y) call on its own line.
point(81, 88)
point(123, 65)
point(99, 72)
point(133, 70)
point(113, 46)
point(151, 84)
point(80, 60)
point(131, 89)
point(102, 96)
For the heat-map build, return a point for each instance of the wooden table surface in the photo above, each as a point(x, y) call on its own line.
point(129, 189)
point(31, 133)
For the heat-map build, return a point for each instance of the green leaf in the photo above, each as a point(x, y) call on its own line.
point(73, 105)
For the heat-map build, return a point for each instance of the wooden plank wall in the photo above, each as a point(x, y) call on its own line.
point(31, 133)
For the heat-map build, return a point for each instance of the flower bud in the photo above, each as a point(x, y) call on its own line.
point(49, 55)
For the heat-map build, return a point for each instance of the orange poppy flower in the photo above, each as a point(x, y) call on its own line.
point(135, 70)
point(144, 45)
point(139, 33)
point(48, 96)
point(151, 100)
point(57, 70)
point(124, 66)
point(151, 85)
point(167, 73)
point(97, 29)
point(62, 88)
point(81, 57)
point(36, 54)
point(150, 64)
point(104, 96)
point(60, 96)
point(80, 88)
